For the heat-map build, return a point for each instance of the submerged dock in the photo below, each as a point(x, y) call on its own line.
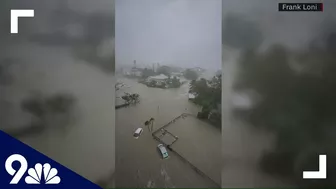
point(121, 105)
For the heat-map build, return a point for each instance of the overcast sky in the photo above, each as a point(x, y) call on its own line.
point(186, 33)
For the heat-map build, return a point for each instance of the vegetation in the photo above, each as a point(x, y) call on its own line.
point(190, 74)
point(131, 98)
point(150, 124)
point(298, 103)
point(174, 82)
point(171, 82)
point(208, 95)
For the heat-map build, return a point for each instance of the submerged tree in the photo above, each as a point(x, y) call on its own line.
point(147, 125)
point(131, 98)
point(175, 82)
point(208, 92)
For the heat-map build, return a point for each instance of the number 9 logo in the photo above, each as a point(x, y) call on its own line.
point(16, 173)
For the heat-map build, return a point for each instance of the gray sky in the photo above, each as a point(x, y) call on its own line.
point(173, 32)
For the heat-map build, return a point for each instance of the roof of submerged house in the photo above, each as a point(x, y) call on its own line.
point(159, 77)
point(191, 96)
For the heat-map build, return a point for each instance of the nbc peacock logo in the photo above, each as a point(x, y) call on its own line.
point(49, 174)
point(34, 174)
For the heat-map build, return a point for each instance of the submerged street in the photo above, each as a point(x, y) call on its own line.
point(138, 161)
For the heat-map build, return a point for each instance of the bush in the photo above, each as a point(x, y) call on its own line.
point(202, 115)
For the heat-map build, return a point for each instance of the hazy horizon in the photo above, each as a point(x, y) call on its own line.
point(176, 33)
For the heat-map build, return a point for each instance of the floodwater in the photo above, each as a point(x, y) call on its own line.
point(199, 142)
point(87, 145)
point(138, 163)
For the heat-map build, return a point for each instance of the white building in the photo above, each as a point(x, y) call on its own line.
point(191, 96)
point(136, 72)
point(158, 78)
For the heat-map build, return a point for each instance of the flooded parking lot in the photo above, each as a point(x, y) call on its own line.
point(138, 162)
point(203, 148)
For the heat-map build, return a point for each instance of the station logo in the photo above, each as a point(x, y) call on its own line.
point(24, 167)
point(34, 174)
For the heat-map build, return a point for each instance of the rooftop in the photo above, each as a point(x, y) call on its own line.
point(191, 96)
point(158, 77)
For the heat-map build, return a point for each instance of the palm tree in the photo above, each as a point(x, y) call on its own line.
point(136, 95)
point(147, 124)
point(135, 98)
point(127, 98)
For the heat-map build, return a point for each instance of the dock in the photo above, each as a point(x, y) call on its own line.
point(170, 147)
point(121, 105)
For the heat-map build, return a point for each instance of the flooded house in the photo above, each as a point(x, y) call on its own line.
point(176, 74)
point(159, 79)
point(137, 72)
point(191, 96)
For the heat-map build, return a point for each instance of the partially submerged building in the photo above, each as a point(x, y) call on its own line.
point(158, 78)
point(191, 96)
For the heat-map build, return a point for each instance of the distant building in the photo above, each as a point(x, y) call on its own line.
point(198, 69)
point(158, 78)
point(136, 72)
point(177, 74)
